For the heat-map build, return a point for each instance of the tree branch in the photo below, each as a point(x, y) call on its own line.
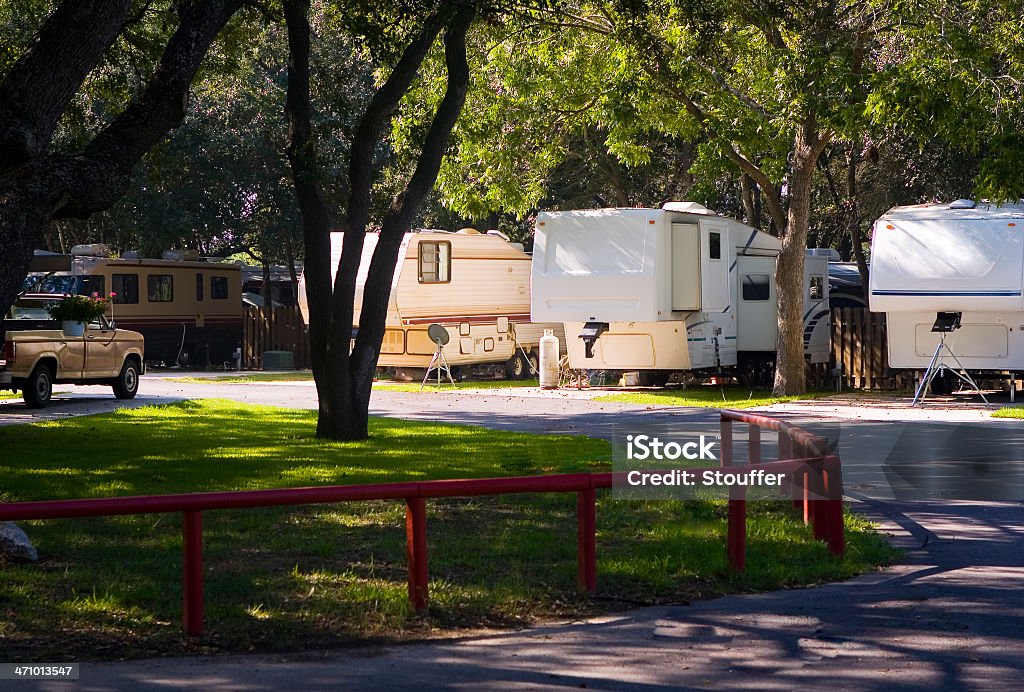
point(42, 82)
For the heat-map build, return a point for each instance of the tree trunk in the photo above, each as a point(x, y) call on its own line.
point(853, 223)
point(344, 380)
point(789, 275)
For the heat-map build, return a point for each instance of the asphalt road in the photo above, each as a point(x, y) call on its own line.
point(950, 617)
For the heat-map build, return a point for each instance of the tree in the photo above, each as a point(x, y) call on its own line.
point(344, 378)
point(39, 184)
point(762, 88)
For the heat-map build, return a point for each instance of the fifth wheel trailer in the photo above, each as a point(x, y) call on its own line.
point(673, 289)
point(476, 285)
point(963, 257)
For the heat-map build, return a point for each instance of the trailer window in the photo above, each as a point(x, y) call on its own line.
point(816, 291)
point(93, 284)
point(435, 265)
point(714, 245)
point(125, 288)
point(757, 287)
point(219, 287)
point(160, 288)
point(199, 288)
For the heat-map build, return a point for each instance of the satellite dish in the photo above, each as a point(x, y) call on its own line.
point(437, 334)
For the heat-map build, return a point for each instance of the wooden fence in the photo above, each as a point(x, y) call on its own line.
point(859, 349)
point(277, 329)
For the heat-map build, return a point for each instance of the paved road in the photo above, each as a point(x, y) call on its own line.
point(951, 617)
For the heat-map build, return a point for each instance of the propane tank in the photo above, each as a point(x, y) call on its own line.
point(549, 360)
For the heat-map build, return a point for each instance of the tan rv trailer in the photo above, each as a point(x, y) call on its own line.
point(476, 285)
point(190, 312)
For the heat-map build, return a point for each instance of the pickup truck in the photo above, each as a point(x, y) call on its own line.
point(37, 354)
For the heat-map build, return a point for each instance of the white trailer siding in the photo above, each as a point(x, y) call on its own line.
point(933, 258)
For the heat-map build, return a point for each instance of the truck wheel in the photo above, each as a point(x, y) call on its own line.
point(126, 386)
point(39, 387)
point(516, 367)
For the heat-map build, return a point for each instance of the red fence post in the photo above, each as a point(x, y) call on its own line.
point(586, 540)
point(736, 533)
point(834, 506)
point(416, 551)
point(192, 573)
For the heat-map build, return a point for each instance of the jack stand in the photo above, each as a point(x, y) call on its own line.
point(936, 367)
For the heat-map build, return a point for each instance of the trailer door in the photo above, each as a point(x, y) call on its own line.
point(757, 315)
point(714, 266)
point(685, 266)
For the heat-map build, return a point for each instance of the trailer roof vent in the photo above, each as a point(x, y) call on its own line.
point(963, 204)
point(688, 207)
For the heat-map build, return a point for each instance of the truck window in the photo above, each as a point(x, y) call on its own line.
point(160, 288)
point(219, 287)
point(756, 287)
point(199, 288)
point(125, 288)
point(435, 262)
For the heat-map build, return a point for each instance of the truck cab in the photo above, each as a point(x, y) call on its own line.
point(37, 353)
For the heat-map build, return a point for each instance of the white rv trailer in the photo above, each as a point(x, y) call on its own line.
point(476, 285)
point(962, 258)
point(670, 289)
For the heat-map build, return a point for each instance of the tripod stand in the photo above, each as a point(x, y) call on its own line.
point(937, 367)
point(438, 362)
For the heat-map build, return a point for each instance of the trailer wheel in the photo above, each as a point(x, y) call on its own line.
point(517, 367)
point(533, 359)
point(653, 378)
point(942, 384)
point(126, 386)
point(39, 387)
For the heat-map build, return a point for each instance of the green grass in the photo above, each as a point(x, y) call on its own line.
point(1009, 412)
point(431, 386)
point(319, 576)
point(708, 396)
point(6, 394)
point(299, 376)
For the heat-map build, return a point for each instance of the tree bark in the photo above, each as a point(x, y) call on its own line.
point(789, 275)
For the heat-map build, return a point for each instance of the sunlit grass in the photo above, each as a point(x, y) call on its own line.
point(708, 396)
point(1009, 412)
point(298, 376)
point(432, 386)
point(317, 576)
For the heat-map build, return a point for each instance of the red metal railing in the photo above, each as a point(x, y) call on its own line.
point(816, 476)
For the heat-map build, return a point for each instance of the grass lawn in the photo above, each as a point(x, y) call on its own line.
point(297, 376)
point(1009, 412)
point(431, 385)
point(709, 396)
point(313, 577)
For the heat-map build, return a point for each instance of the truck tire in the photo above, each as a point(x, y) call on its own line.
point(126, 386)
point(39, 387)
